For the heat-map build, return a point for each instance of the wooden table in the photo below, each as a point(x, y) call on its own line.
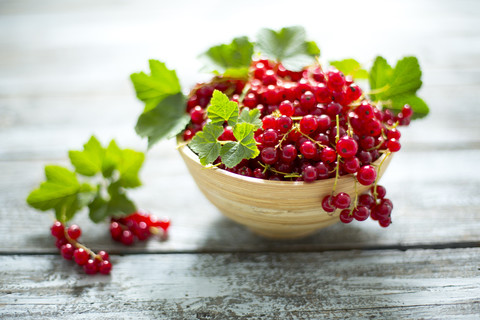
point(64, 69)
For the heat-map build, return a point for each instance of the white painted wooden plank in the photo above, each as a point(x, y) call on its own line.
point(384, 284)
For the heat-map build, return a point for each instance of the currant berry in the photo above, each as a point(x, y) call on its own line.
point(407, 111)
point(351, 165)
point(67, 251)
point(393, 145)
point(366, 175)
point(308, 149)
point(127, 237)
point(74, 232)
point(341, 200)
point(270, 137)
point(197, 115)
point(309, 174)
point(308, 124)
point(103, 255)
point(286, 108)
point(269, 155)
point(336, 80)
point(328, 155)
point(385, 222)
point(227, 134)
point(269, 122)
point(324, 122)
point(289, 153)
point(366, 200)
point(346, 147)
point(361, 213)
point(90, 267)
point(259, 173)
point(104, 267)
point(116, 230)
point(345, 216)
point(327, 204)
point(322, 170)
point(379, 190)
point(81, 256)
point(307, 101)
point(58, 230)
point(284, 123)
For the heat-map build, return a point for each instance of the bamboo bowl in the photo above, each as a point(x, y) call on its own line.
point(273, 209)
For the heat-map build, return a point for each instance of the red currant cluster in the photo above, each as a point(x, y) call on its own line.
point(372, 204)
point(138, 225)
point(316, 124)
point(71, 249)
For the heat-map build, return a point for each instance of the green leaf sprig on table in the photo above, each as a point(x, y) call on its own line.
point(206, 144)
point(99, 181)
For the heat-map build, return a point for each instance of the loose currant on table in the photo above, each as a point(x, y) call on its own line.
point(139, 225)
point(71, 249)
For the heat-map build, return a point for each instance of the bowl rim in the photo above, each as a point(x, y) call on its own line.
point(183, 147)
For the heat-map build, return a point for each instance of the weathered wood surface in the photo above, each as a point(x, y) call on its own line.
point(64, 70)
point(435, 284)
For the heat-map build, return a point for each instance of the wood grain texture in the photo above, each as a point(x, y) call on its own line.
point(436, 283)
point(64, 70)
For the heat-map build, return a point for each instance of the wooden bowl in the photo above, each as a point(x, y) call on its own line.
point(273, 209)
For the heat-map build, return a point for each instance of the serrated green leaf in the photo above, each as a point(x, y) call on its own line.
point(221, 109)
point(229, 59)
point(406, 78)
point(113, 156)
point(398, 86)
point(129, 167)
point(167, 119)
point(288, 46)
point(153, 88)
point(251, 116)
point(61, 192)
point(245, 147)
point(350, 67)
point(89, 161)
point(205, 143)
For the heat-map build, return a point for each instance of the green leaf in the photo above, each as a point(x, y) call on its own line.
point(221, 109)
point(379, 75)
point(350, 67)
point(118, 205)
point(155, 87)
point(288, 46)
point(397, 86)
point(129, 167)
point(126, 161)
point(89, 161)
point(406, 77)
point(205, 143)
point(251, 116)
point(312, 48)
point(167, 119)
point(61, 192)
point(245, 147)
point(232, 60)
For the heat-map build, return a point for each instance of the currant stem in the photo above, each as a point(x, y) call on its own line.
point(78, 245)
